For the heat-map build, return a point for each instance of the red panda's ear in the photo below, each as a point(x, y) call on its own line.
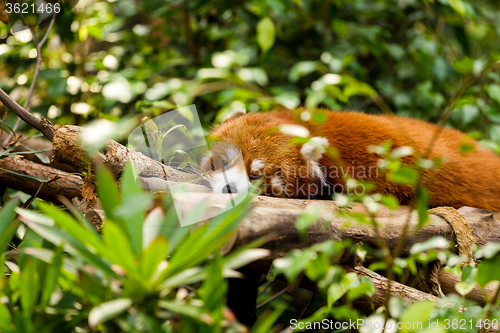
point(234, 116)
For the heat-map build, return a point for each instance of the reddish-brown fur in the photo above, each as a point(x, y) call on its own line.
point(462, 180)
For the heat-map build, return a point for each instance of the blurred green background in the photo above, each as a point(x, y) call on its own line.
point(110, 59)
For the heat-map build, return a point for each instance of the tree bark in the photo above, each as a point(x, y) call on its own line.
point(67, 149)
point(60, 183)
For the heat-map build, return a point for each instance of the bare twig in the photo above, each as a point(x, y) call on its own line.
point(307, 306)
point(42, 125)
point(269, 300)
point(38, 46)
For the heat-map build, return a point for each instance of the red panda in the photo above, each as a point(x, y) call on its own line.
point(307, 171)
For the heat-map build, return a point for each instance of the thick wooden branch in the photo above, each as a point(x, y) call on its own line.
point(448, 281)
point(67, 149)
point(274, 218)
point(409, 294)
point(61, 183)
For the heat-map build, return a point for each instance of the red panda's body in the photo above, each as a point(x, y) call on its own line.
point(306, 171)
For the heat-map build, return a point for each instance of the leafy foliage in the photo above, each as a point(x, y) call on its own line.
point(133, 276)
point(436, 60)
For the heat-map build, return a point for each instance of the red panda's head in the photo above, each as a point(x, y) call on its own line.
point(251, 147)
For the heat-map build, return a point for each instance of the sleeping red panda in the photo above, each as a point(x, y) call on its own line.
point(306, 171)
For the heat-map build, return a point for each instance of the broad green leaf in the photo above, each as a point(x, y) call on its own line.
point(416, 313)
point(107, 191)
point(243, 258)
point(265, 323)
point(493, 91)
point(389, 201)
point(5, 319)
point(51, 276)
point(134, 220)
point(152, 226)
point(152, 256)
point(302, 68)
point(42, 225)
point(265, 34)
point(30, 285)
point(464, 65)
point(7, 216)
point(458, 6)
point(437, 242)
point(337, 290)
point(488, 271)
point(422, 204)
point(186, 310)
point(307, 218)
point(404, 175)
point(366, 287)
point(212, 291)
point(108, 310)
point(463, 288)
point(119, 247)
point(488, 251)
point(84, 234)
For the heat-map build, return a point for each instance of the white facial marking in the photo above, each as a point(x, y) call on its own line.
point(312, 151)
point(234, 177)
point(232, 153)
point(277, 186)
point(257, 165)
point(205, 161)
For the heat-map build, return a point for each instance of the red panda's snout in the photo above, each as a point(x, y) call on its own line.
point(224, 168)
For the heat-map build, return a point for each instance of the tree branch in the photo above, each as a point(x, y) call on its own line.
point(42, 125)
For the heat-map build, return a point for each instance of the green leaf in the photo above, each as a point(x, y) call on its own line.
point(186, 310)
point(419, 313)
point(134, 220)
point(488, 251)
point(107, 191)
point(245, 257)
point(155, 253)
point(404, 175)
point(307, 218)
point(5, 319)
point(422, 205)
point(493, 91)
point(488, 271)
point(265, 34)
point(337, 290)
point(108, 310)
point(458, 6)
point(38, 179)
point(51, 276)
point(213, 289)
point(438, 242)
point(119, 247)
point(7, 215)
point(30, 285)
point(464, 65)
point(42, 225)
point(463, 288)
point(302, 68)
point(366, 287)
point(389, 201)
point(265, 323)
point(152, 226)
